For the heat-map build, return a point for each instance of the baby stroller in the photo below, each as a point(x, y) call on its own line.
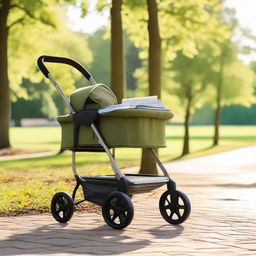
point(85, 130)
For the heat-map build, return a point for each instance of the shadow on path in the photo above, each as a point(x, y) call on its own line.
point(225, 185)
point(58, 238)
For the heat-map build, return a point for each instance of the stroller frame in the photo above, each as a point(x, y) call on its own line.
point(113, 193)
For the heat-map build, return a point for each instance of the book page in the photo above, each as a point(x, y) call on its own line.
point(139, 100)
point(150, 102)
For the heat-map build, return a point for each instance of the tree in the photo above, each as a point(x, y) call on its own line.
point(12, 14)
point(148, 165)
point(100, 65)
point(185, 25)
point(192, 75)
point(5, 7)
point(226, 56)
point(117, 46)
point(234, 86)
point(117, 52)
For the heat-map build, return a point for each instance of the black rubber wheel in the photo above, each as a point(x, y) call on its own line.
point(117, 210)
point(174, 207)
point(62, 207)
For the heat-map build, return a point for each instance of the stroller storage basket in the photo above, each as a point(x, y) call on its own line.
point(97, 188)
point(141, 128)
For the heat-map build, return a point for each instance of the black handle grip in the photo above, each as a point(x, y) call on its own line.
point(63, 60)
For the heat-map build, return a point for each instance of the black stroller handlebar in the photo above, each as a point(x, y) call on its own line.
point(63, 60)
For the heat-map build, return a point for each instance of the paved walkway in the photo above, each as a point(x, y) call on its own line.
point(27, 156)
point(222, 190)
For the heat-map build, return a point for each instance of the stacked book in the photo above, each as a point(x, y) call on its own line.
point(151, 102)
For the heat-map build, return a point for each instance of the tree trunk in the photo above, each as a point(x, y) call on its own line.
point(217, 116)
point(185, 150)
point(117, 54)
point(217, 123)
point(148, 165)
point(4, 81)
point(154, 51)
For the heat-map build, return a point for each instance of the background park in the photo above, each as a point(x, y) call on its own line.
point(194, 55)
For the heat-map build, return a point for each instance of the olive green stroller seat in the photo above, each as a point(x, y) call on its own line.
point(97, 124)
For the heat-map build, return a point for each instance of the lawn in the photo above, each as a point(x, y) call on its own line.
point(40, 139)
point(27, 185)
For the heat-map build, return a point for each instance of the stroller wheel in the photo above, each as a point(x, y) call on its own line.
point(174, 207)
point(62, 207)
point(117, 210)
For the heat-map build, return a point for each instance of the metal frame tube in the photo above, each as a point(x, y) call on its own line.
point(92, 80)
point(114, 165)
point(159, 163)
point(59, 89)
point(74, 163)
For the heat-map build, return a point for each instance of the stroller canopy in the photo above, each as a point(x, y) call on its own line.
point(92, 97)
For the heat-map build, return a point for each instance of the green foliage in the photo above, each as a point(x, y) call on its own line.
point(183, 25)
point(187, 28)
point(238, 84)
point(236, 78)
point(237, 114)
point(27, 42)
point(26, 109)
point(29, 196)
point(101, 4)
point(37, 28)
point(231, 115)
point(189, 78)
point(100, 66)
point(24, 53)
point(132, 62)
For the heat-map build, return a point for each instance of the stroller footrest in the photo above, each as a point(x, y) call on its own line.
point(146, 179)
point(145, 183)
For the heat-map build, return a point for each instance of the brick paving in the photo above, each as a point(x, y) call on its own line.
point(222, 190)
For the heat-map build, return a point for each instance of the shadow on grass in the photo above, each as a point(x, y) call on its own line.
point(188, 156)
point(52, 142)
point(87, 159)
point(56, 160)
point(223, 138)
point(102, 240)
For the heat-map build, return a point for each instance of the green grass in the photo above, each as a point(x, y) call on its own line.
point(39, 139)
point(28, 184)
point(36, 139)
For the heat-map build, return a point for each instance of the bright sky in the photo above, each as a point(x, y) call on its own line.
point(91, 22)
point(245, 13)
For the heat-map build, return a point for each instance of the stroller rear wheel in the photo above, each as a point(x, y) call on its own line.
point(117, 210)
point(62, 207)
point(174, 207)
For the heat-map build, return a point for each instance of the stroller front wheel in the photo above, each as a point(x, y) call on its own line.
point(174, 207)
point(117, 210)
point(62, 207)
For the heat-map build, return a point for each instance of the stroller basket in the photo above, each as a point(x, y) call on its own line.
point(97, 188)
point(87, 130)
point(137, 128)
